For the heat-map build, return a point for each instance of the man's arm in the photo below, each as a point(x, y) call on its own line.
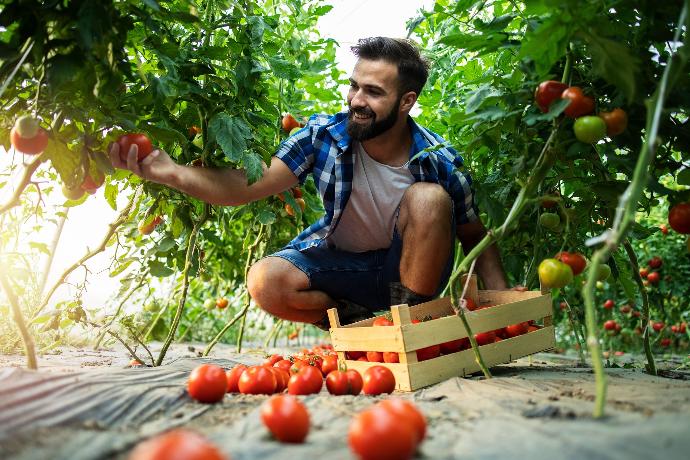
point(489, 266)
point(222, 186)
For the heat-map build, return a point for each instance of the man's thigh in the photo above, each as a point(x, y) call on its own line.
point(356, 277)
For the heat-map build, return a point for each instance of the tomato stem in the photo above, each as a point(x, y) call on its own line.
point(18, 317)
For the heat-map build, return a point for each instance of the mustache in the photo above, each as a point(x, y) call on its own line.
point(363, 111)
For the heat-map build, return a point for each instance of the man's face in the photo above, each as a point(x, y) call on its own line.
point(373, 99)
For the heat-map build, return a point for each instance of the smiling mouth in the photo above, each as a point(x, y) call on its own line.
point(361, 116)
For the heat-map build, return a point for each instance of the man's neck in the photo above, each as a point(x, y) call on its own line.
point(392, 147)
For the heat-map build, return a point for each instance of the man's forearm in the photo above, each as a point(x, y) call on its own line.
point(226, 186)
point(490, 269)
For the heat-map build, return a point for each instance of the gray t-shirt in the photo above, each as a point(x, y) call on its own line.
point(368, 219)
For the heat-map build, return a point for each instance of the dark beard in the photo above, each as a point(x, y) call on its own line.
point(365, 132)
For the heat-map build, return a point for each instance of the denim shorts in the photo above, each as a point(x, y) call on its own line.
point(363, 278)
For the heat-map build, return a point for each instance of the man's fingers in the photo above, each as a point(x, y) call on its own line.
point(150, 158)
point(132, 163)
point(114, 153)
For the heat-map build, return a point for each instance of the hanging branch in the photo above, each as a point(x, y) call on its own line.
point(18, 317)
point(25, 180)
point(580, 345)
point(627, 205)
point(191, 243)
point(245, 296)
point(112, 228)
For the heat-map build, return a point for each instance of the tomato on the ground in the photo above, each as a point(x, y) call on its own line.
point(308, 380)
point(207, 383)
point(329, 364)
point(344, 382)
point(272, 360)
point(257, 380)
point(406, 412)
point(377, 434)
point(233, 376)
point(286, 417)
point(178, 443)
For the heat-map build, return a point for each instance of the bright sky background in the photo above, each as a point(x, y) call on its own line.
point(349, 21)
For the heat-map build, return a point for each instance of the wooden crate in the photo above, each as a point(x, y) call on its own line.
point(404, 337)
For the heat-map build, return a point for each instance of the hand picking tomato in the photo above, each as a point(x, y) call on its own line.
point(233, 376)
point(547, 92)
point(554, 273)
point(378, 434)
point(377, 380)
point(679, 218)
point(257, 380)
point(286, 417)
point(207, 383)
point(616, 121)
point(307, 381)
point(580, 104)
point(574, 260)
point(178, 443)
point(144, 147)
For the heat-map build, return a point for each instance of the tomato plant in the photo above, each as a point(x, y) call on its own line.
point(286, 417)
point(207, 383)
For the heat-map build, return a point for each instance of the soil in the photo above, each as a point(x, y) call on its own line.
point(85, 404)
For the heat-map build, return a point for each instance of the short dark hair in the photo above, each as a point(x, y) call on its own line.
point(413, 69)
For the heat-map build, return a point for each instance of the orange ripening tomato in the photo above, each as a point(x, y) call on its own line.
point(616, 121)
point(289, 123)
point(221, 302)
point(290, 211)
point(29, 145)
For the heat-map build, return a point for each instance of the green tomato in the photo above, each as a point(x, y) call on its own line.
point(604, 272)
point(209, 304)
point(554, 274)
point(600, 285)
point(549, 220)
point(590, 129)
point(198, 141)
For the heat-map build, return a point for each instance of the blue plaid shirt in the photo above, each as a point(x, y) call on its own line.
point(322, 148)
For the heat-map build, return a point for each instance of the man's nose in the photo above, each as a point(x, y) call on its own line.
point(357, 100)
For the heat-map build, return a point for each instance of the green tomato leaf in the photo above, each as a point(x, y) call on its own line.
point(231, 133)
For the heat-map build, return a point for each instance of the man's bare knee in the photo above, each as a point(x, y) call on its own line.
point(271, 280)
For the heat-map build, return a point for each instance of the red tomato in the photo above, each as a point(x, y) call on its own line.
point(533, 328)
point(679, 218)
point(377, 434)
point(654, 277)
point(579, 103)
point(516, 329)
point(282, 378)
point(286, 418)
point(625, 309)
point(257, 380)
point(91, 184)
point(355, 355)
point(664, 229)
point(406, 412)
point(307, 381)
point(29, 145)
point(207, 383)
point(298, 364)
point(430, 352)
point(233, 376)
point(382, 321)
point(665, 342)
point(142, 142)
point(284, 364)
point(610, 325)
point(272, 360)
point(329, 364)
point(391, 357)
point(644, 272)
point(575, 260)
point(609, 304)
point(547, 92)
point(454, 346)
point(343, 383)
point(484, 338)
point(470, 304)
point(179, 443)
point(377, 380)
point(375, 356)
point(221, 302)
point(658, 326)
point(655, 262)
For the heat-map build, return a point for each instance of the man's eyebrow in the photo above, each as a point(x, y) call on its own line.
point(367, 86)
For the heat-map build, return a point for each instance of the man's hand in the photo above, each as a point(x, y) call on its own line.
point(156, 167)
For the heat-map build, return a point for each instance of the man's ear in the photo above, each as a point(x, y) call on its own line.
point(407, 101)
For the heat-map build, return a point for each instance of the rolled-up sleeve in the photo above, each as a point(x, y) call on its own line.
point(462, 193)
point(297, 153)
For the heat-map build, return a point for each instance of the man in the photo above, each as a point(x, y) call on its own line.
point(393, 209)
